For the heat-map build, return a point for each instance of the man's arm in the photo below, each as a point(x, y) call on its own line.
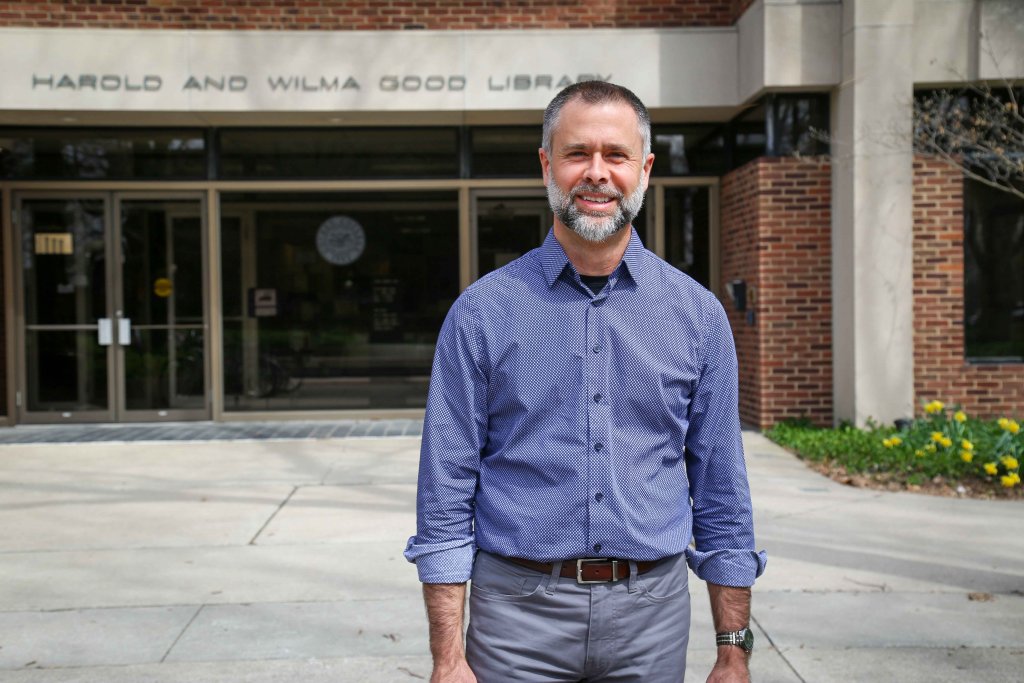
point(445, 609)
point(730, 610)
point(724, 554)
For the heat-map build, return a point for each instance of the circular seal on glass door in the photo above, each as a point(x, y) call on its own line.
point(340, 240)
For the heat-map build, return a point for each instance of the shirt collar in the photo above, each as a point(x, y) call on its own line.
point(554, 261)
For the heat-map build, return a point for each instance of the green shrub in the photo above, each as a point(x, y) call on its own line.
point(941, 443)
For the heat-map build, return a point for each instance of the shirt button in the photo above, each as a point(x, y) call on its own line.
point(597, 348)
point(598, 446)
point(597, 398)
point(597, 547)
point(598, 497)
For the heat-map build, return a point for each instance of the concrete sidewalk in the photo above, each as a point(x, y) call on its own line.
point(281, 561)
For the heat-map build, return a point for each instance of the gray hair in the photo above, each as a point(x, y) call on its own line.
point(596, 92)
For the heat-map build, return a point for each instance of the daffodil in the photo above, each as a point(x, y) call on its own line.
point(946, 442)
point(967, 445)
point(1009, 462)
point(895, 441)
point(1003, 423)
point(919, 453)
point(937, 437)
point(991, 468)
point(1013, 427)
point(930, 448)
point(934, 407)
point(1009, 480)
point(966, 456)
point(960, 416)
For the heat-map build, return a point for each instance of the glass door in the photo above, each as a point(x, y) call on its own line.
point(114, 317)
point(161, 357)
point(66, 355)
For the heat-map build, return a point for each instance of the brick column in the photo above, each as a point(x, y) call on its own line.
point(775, 235)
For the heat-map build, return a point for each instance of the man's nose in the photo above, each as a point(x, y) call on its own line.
point(597, 170)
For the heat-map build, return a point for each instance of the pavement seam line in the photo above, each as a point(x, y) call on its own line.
point(274, 514)
point(194, 616)
point(775, 647)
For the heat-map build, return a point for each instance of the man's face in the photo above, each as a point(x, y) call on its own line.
point(596, 174)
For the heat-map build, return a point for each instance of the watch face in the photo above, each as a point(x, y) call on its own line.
point(748, 639)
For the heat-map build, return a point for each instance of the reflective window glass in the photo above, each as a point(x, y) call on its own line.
point(688, 231)
point(993, 273)
point(688, 150)
point(334, 301)
point(339, 153)
point(111, 154)
point(505, 152)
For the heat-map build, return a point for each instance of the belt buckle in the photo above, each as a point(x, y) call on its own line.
point(588, 560)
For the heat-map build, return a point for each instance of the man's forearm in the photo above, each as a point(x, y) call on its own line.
point(445, 611)
point(730, 607)
point(730, 610)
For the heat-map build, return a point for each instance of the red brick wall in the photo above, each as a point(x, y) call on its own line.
point(776, 235)
point(940, 369)
point(369, 15)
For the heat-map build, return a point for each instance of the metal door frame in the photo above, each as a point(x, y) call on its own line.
point(121, 411)
point(114, 298)
point(21, 411)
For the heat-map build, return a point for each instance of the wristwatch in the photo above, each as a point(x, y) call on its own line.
point(743, 638)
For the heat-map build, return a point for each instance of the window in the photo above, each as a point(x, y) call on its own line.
point(109, 154)
point(334, 300)
point(993, 273)
point(339, 153)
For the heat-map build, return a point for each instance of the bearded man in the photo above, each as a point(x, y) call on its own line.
point(581, 429)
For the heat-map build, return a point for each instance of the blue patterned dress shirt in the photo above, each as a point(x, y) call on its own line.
point(564, 424)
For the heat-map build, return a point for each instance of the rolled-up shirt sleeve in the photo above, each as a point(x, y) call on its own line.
point(723, 530)
point(454, 432)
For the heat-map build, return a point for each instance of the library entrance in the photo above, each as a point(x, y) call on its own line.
point(112, 318)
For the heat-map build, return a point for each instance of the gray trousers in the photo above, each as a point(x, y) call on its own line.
point(532, 627)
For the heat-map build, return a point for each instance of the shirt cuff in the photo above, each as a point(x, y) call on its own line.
point(737, 568)
point(450, 562)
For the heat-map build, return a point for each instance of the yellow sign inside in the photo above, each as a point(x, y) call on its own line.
point(58, 243)
point(163, 287)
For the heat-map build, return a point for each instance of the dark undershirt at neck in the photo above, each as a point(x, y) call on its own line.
point(594, 282)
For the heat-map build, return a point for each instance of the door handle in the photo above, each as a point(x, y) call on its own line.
point(104, 332)
point(124, 331)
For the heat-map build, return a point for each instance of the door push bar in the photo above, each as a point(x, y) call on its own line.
point(105, 331)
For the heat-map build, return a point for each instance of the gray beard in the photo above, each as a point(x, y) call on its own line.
point(594, 228)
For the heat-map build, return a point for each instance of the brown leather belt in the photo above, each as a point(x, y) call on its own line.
point(589, 569)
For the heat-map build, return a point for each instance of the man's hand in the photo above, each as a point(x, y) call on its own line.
point(731, 666)
point(457, 673)
point(446, 604)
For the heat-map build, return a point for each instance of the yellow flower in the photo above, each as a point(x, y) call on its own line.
point(991, 468)
point(1010, 462)
point(934, 407)
point(930, 448)
point(1003, 423)
point(946, 442)
point(1013, 427)
point(960, 416)
point(919, 453)
point(895, 441)
point(887, 443)
point(1009, 480)
point(967, 445)
point(966, 456)
point(937, 437)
